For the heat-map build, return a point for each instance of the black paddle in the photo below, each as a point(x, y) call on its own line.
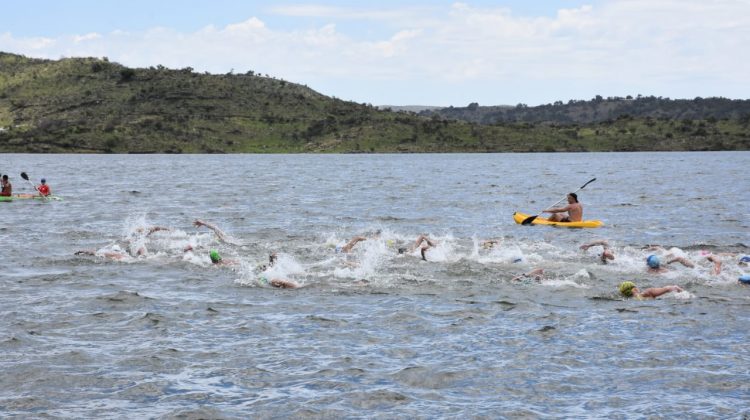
point(26, 177)
point(530, 219)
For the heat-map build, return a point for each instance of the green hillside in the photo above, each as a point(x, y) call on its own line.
point(93, 105)
point(601, 109)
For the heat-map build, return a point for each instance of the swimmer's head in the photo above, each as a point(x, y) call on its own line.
point(44, 181)
point(626, 288)
point(215, 257)
point(745, 260)
point(653, 261)
point(389, 243)
point(606, 255)
point(401, 250)
point(744, 279)
point(338, 249)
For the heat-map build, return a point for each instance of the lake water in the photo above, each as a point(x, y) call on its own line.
point(373, 333)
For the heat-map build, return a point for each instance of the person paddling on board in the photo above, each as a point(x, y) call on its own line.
point(629, 289)
point(7, 189)
point(574, 211)
point(43, 188)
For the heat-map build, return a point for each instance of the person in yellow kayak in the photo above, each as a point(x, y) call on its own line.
point(573, 212)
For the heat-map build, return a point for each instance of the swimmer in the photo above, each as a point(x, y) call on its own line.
point(112, 255)
point(744, 261)
point(133, 244)
point(216, 259)
point(355, 240)
point(716, 264)
point(276, 282)
point(271, 261)
point(654, 263)
point(223, 237)
point(418, 243)
point(606, 253)
point(151, 229)
point(280, 283)
point(349, 245)
point(629, 289)
point(536, 274)
point(490, 243)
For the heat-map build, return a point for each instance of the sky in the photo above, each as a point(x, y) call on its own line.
point(404, 52)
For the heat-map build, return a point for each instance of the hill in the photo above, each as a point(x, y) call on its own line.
point(600, 109)
point(94, 105)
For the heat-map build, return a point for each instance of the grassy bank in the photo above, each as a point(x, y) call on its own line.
point(93, 105)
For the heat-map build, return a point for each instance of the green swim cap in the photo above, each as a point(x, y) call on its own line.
point(214, 255)
point(626, 288)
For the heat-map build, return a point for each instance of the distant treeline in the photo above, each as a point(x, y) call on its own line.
point(97, 106)
point(601, 109)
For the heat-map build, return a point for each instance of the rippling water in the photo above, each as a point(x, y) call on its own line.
point(373, 333)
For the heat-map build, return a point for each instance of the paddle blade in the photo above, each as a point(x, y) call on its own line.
point(24, 176)
point(527, 221)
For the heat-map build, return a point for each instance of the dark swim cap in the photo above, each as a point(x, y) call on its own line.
point(43, 180)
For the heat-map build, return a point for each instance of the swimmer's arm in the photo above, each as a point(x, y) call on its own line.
point(603, 243)
point(558, 209)
point(536, 273)
point(154, 229)
point(655, 292)
point(717, 264)
point(284, 284)
point(683, 261)
point(219, 233)
point(348, 247)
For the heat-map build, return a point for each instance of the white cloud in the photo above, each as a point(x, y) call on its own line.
point(77, 39)
point(670, 48)
point(331, 12)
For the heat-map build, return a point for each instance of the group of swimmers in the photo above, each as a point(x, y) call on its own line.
point(656, 263)
point(572, 212)
point(134, 246)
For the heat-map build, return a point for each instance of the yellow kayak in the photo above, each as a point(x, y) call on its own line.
point(520, 217)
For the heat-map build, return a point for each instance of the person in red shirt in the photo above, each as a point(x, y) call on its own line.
point(7, 190)
point(44, 188)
